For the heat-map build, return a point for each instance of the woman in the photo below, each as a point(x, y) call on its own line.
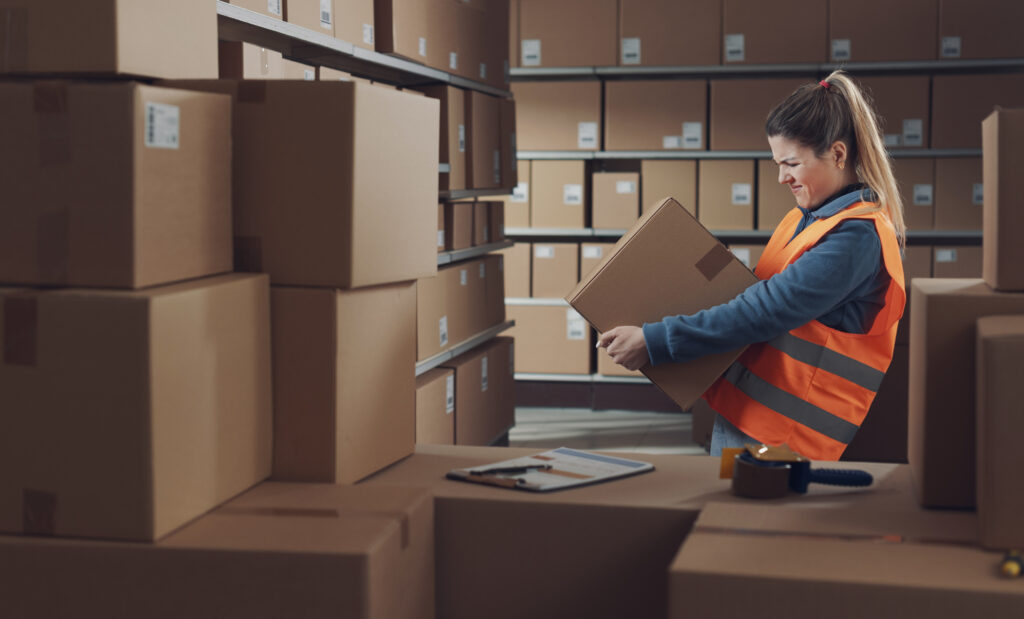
point(822, 321)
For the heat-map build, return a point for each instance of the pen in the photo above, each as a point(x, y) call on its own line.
point(511, 469)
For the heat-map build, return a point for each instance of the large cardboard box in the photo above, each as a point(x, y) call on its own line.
point(484, 392)
point(336, 550)
point(550, 339)
point(113, 184)
point(1002, 216)
point(786, 31)
point(738, 109)
point(558, 115)
point(453, 134)
point(916, 181)
point(509, 144)
point(556, 269)
point(458, 225)
point(666, 178)
point(435, 407)
point(941, 443)
point(517, 205)
point(567, 33)
point(517, 270)
point(670, 32)
point(917, 262)
point(245, 61)
point(902, 104)
point(655, 115)
point(270, 8)
point(959, 193)
point(364, 229)
point(774, 199)
point(957, 262)
point(879, 31)
point(616, 200)
point(961, 102)
point(969, 29)
point(344, 381)
point(695, 272)
point(140, 38)
point(882, 436)
point(483, 133)
point(725, 198)
point(1000, 490)
point(127, 414)
point(559, 194)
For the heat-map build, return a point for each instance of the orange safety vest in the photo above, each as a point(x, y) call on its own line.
point(811, 387)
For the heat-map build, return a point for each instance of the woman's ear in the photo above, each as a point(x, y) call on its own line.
point(839, 154)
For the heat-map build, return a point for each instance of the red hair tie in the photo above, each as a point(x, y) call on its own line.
point(824, 84)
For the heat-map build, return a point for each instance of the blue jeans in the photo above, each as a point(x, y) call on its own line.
point(725, 434)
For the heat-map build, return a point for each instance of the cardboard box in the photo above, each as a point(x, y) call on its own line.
point(559, 194)
point(316, 15)
point(344, 381)
point(1000, 490)
point(616, 201)
point(1002, 218)
point(458, 225)
point(509, 145)
point(961, 102)
point(882, 436)
point(703, 423)
point(591, 255)
point(304, 231)
point(270, 8)
point(666, 178)
point(465, 299)
point(493, 272)
point(906, 31)
point(432, 312)
point(291, 70)
point(749, 255)
point(788, 31)
point(980, 30)
point(499, 39)
point(497, 221)
point(441, 236)
point(245, 61)
point(344, 550)
point(959, 193)
point(902, 105)
point(517, 270)
point(774, 200)
point(941, 443)
point(655, 115)
point(111, 405)
point(916, 181)
point(726, 194)
point(696, 272)
point(453, 133)
point(517, 205)
point(435, 407)
point(917, 262)
point(483, 133)
point(141, 38)
point(327, 74)
point(957, 262)
point(513, 39)
point(555, 269)
point(568, 33)
point(484, 392)
point(670, 33)
point(482, 224)
point(558, 115)
point(739, 108)
point(86, 202)
point(404, 28)
point(550, 339)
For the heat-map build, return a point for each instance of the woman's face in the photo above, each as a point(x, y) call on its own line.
point(811, 178)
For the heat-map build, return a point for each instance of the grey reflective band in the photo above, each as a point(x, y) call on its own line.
point(829, 360)
point(788, 405)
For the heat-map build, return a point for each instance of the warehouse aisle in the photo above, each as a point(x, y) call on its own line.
point(614, 430)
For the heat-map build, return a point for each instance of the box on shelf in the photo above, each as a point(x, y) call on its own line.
point(466, 292)
point(496, 220)
point(513, 28)
point(904, 31)
point(726, 194)
point(517, 205)
point(1002, 217)
point(435, 407)
point(483, 134)
point(749, 255)
point(113, 184)
point(344, 381)
point(616, 200)
point(591, 255)
point(959, 193)
point(270, 8)
point(498, 35)
point(140, 38)
point(112, 404)
point(739, 108)
point(458, 225)
point(567, 33)
point(316, 15)
point(958, 261)
point(517, 270)
point(327, 74)
point(788, 31)
point(670, 33)
point(961, 102)
point(916, 181)
point(970, 29)
point(902, 104)
point(493, 272)
point(555, 269)
point(558, 195)
point(509, 146)
point(442, 237)
point(667, 178)
point(453, 133)
point(917, 262)
point(882, 436)
point(550, 339)
point(433, 312)
point(406, 28)
point(558, 115)
point(774, 199)
point(291, 70)
point(484, 392)
point(482, 224)
point(245, 61)
point(655, 115)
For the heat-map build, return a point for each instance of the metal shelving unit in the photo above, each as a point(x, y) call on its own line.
point(462, 194)
point(917, 237)
point(432, 362)
point(459, 255)
point(536, 302)
point(583, 378)
point(721, 154)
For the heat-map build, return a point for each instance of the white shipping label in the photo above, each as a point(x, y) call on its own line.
point(462, 138)
point(453, 60)
point(672, 141)
point(531, 53)
point(978, 194)
point(463, 277)
point(913, 132)
point(423, 47)
point(163, 125)
point(483, 373)
point(575, 326)
point(543, 251)
point(440, 238)
point(923, 195)
point(625, 187)
point(442, 326)
point(693, 135)
point(274, 7)
point(449, 398)
point(950, 47)
point(841, 49)
point(586, 135)
point(743, 255)
point(572, 194)
point(892, 139)
point(521, 193)
point(735, 49)
point(945, 255)
point(631, 50)
point(593, 253)
point(368, 34)
point(309, 75)
point(483, 70)
point(483, 271)
point(742, 194)
point(497, 167)
point(326, 7)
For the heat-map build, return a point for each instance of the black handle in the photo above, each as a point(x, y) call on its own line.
point(841, 477)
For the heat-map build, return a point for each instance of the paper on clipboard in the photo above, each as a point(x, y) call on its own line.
point(557, 469)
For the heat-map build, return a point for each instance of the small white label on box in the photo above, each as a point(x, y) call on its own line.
point(442, 325)
point(423, 47)
point(309, 75)
point(368, 34)
point(572, 194)
point(892, 139)
point(735, 49)
point(521, 193)
point(672, 141)
point(913, 132)
point(950, 47)
point(483, 70)
point(463, 277)
point(978, 194)
point(483, 271)
point(741, 194)
point(631, 50)
point(945, 255)
point(575, 326)
point(274, 7)
point(625, 187)
point(923, 195)
point(543, 251)
point(497, 167)
point(462, 138)
point(742, 254)
point(841, 49)
point(693, 135)
point(163, 125)
point(440, 238)
point(325, 13)
point(531, 52)
point(483, 373)
point(453, 60)
point(586, 136)
point(592, 252)
point(449, 399)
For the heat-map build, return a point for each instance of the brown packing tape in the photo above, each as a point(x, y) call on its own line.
point(38, 512)
point(50, 104)
point(13, 39)
point(248, 252)
point(252, 91)
point(53, 240)
point(298, 512)
point(714, 261)
point(20, 329)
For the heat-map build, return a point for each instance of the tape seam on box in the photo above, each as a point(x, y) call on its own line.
point(714, 261)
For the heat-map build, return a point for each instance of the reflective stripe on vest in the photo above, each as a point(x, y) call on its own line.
point(829, 360)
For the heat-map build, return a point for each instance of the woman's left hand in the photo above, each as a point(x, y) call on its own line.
point(626, 346)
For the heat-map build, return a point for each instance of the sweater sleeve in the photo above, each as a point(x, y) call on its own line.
point(822, 279)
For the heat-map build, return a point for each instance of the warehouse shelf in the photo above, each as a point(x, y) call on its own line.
point(536, 302)
point(582, 378)
point(917, 237)
point(462, 194)
point(556, 154)
point(459, 255)
point(432, 362)
point(720, 154)
point(239, 24)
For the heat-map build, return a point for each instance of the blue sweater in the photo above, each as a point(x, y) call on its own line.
point(841, 282)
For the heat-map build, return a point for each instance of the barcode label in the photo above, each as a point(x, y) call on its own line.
point(950, 47)
point(945, 255)
point(274, 7)
point(741, 194)
point(531, 53)
point(735, 48)
point(625, 187)
point(923, 195)
point(325, 13)
point(572, 194)
point(309, 75)
point(913, 132)
point(442, 326)
point(543, 251)
point(423, 47)
point(483, 70)
point(575, 326)
point(593, 253)
point(841, 49)
point(462, 138)
point(453, 60)
point(631, 50)
point(892, 140)
point(671, 141)
point(163, 125)
point(742, 254)
point(693, 135)
point(440, 238)
point(978, 194)
point(586, 135)
point(497, 167)
point(483, 373)
point(449, 399)
point(463, 277)
point(368, 34)
point(521, 193)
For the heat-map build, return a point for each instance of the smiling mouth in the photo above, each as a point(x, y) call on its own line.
point(796, 188)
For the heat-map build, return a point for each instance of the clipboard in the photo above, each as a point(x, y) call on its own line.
point(558, 469)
